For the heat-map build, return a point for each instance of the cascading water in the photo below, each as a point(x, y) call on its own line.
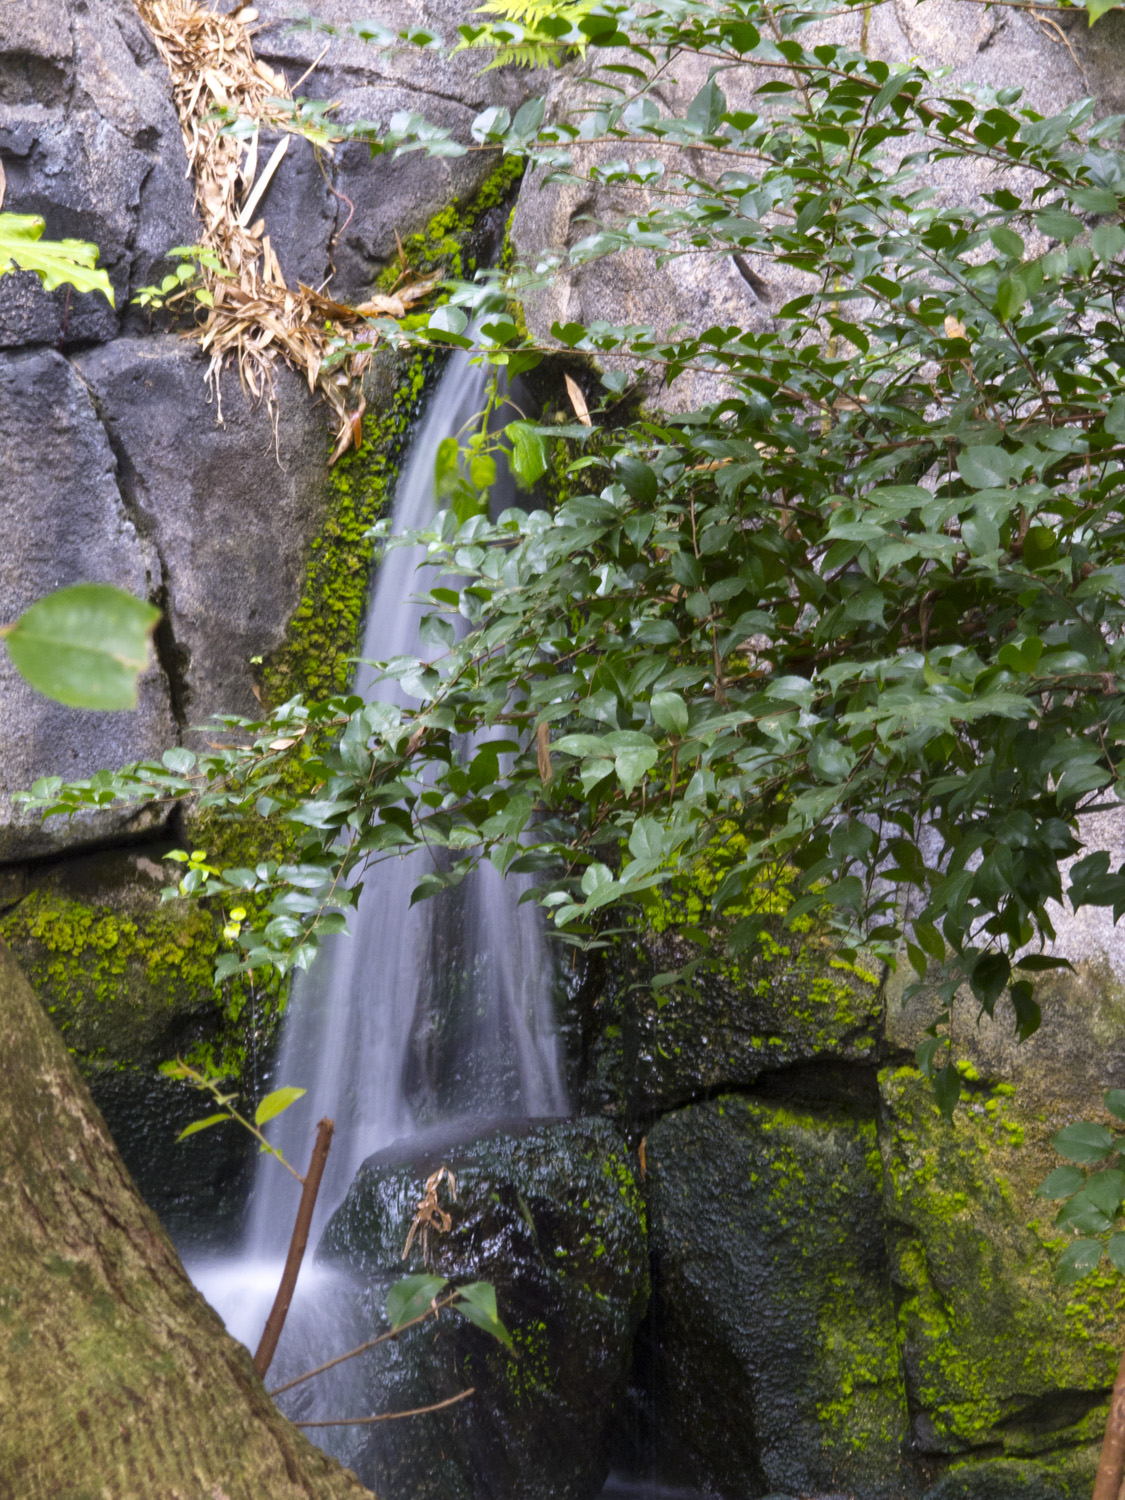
point(438, 1014)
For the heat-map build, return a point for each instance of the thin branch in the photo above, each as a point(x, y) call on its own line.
point(391, 1333)
point(390, 1416)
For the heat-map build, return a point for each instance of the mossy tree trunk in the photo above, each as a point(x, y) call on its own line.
point(117, 1381)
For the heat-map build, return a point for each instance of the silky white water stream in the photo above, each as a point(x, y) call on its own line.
point(433, 1014)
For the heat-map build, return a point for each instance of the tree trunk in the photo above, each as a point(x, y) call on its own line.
point(117, 1381)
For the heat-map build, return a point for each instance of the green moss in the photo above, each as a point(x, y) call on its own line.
point(126, 982)
point(324, 633)
point(984, 1326)
point(443, 244)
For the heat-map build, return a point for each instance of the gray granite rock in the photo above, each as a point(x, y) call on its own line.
point(231, 506)
point(90, 140)
point(380, 196)
point(64, 521)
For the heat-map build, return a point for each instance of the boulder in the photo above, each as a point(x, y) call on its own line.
point(231, 498)
point(1057, 60)
point(551, 1215)
point(999, 1359)
point(787, 1002)
point(374, 198)
point(773, 1322)
point(64, 520)
point(90, 140)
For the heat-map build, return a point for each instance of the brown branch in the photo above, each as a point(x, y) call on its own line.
point(276, 1320)
point(391, 1333)
point(1112, 1464)
point(389, 1416)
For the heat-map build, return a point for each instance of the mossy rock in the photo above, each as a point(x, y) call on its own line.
point(552, 1215)
point(791, 1001)
point(1012, 1479)
point(777, 1365)
point(1000, 1359)
point(129, 981)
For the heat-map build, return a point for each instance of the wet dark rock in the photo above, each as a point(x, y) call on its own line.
point(1001, 1480)
point(734, 1021)
point(553, 1217)
point(773, 1320)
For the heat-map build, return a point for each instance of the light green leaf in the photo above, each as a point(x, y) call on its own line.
point(410, 1297)
point(273, 1104)
point(84, 646)
point(986, 467)
point(477, 1302)
point(1098, 8)
point(670, 711)
point(204, 1124)
point(529, 453)
point(55, 262)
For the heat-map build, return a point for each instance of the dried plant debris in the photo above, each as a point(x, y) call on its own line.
point(429, 1216)
point(251, 317)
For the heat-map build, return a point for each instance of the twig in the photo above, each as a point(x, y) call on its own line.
point(1108, 1481)
point(391, 1333)
point(276, 1320)
point(390, 1416)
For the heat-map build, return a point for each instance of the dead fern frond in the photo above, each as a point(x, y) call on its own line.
point(252, 317)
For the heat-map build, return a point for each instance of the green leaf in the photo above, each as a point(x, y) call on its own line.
point(1011, 294)
point(1078, 1259)
point(670, 711)
point(477, 1302)
point(84, 646)
point(1115, 1102)
point(1084, 1142)
point(273, 1104)
point(55, 262)
point(1116, 1251)
point(1098, 8)
point(986, 468)
point(988, 979)
point(1063, 1182)
point(707, 108)
point(198, 1125)
point(947, 1089)
point(637, 477)
point(529, 453)
point(410, 1297)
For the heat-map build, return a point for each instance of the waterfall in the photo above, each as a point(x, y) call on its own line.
point(434, 1015)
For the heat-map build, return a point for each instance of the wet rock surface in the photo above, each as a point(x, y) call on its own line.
point(787, 1003)
point(553, 1217)
point(774, 1325)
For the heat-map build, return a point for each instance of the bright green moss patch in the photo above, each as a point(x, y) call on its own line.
point(444, 243)
point(1001, 1357)
point(132, 982)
